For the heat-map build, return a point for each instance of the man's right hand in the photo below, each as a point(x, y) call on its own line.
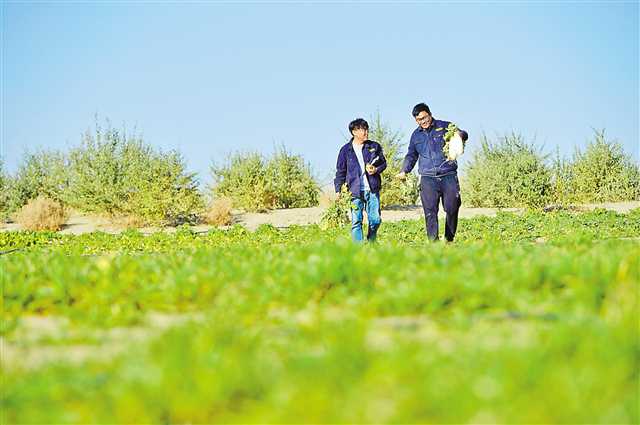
point(401, 175)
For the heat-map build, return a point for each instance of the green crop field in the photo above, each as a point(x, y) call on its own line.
point(530, 318)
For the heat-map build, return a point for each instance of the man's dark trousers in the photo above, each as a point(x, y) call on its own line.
point(431, 190)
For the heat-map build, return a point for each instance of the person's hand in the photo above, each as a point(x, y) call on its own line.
point(401, 175)
point(370, 169)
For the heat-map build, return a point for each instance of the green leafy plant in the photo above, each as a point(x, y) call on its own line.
point(451, 131)
point(338, 213)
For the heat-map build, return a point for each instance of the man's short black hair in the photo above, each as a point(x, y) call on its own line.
point(357, 124)
point(420, 107)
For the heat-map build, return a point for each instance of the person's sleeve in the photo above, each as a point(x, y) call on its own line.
point(410, 158)
point(383, 161)
point(341, 171)
point(463, 134)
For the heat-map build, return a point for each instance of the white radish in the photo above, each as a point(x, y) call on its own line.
point(456, 147)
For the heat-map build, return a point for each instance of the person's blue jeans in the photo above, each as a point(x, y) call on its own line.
point(369, 202)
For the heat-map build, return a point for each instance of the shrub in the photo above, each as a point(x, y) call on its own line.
point(219, 212)
point(5, 188)
point(507, 173)
point(244, 180)
point(394, 191)
point(291, 181)
point(128, 221)
point(161, 191)
point(603, 173)
point(326, 198)
point(257, 184)
point(41, 173)
point(122, 176)
point(561, 181)
point(42, 214)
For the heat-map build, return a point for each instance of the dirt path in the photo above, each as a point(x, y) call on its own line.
point(81, 223)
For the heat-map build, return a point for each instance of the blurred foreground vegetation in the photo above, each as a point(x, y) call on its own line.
point(528, 318)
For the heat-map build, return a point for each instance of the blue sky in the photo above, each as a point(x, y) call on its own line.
point(210, 78)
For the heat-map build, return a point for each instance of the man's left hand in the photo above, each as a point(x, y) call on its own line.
point(370, 169)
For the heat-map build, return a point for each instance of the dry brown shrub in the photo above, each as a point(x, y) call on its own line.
point(42, 214)
point(127, 221)
point(219, 213)
point(326, 199)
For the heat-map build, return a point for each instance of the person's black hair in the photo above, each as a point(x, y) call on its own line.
point(357, 124)
point(420, 107)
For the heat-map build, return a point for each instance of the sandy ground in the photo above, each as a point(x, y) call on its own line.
point(81, 223)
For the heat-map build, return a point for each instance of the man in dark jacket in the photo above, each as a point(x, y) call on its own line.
point(360, 162)
point(438, 175)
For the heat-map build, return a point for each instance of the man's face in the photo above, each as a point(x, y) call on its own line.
point(424, 119)
point(360, 134)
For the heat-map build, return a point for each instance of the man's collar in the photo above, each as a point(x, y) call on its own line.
point(363, 143)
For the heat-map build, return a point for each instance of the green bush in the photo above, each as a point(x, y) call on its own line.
point(122, 176)
point(243, 180)
point(41, 173)
point(161, 191)
point(603, 173)
point(254, 183)
point(291, 181)
point(394, 191)
point(5, 184)
point(507, 173)
point(561, 181)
